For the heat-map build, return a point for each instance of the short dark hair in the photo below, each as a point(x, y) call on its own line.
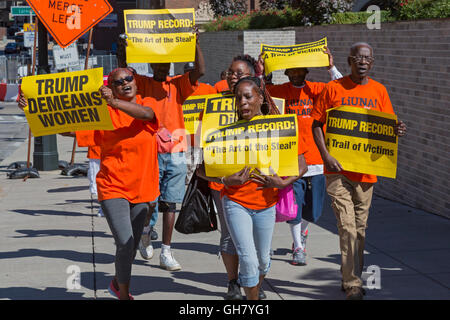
point(248, 60)
point(356, 45)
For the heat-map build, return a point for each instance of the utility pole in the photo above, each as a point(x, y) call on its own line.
point(45, 154)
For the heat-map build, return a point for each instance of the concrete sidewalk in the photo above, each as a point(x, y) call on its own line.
point(47, 231)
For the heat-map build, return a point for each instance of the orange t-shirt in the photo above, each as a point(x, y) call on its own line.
point(85, 138)
point(221, 86)
point(203, 89)
point(300, 101)
point(94, 152)
point(129, 161)
point(344, 91)
point(167, 98)
point(247, 195)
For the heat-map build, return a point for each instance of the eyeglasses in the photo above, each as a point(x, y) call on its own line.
point(238, 74)
point(122, 81)
point(358, 59)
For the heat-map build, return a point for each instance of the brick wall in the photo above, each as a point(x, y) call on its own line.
point(412, 60)
point(254, 39)
point(219, 48)
point(181, 4)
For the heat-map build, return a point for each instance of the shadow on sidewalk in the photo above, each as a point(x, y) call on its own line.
point(50, 213)
point(27, 233)
point(155, 284)
point(68, 189)
point(70, 255)
point(303, 290)
point(24, 293)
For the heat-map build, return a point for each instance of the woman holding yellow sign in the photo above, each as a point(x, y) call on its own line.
point(249, 198)
point(125, 193)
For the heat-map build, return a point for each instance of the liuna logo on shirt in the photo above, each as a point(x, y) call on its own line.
point(359, 102)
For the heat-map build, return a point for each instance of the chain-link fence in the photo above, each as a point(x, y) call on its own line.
point(9, 68)
point(13, 68)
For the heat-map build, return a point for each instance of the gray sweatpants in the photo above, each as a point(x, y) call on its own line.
point(126, 221)
point(226, 243)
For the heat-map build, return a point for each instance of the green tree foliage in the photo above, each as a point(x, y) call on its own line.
point(224, 8)
point(273, 4)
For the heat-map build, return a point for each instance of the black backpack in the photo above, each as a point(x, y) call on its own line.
point(197, 213)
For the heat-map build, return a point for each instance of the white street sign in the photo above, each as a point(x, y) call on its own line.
point(66, 58)
point(28, 39)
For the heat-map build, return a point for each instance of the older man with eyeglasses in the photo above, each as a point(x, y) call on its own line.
point(351, 192)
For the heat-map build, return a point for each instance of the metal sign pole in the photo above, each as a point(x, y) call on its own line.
point(45, 155)
point(86, 66)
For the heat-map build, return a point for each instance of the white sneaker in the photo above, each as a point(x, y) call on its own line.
point(145, 247)
point(168, 262)
point(100, 213)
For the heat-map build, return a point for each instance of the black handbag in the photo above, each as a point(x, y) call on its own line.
point(197, 213)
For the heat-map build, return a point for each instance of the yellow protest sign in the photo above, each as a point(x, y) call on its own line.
point(363, 140)
point(160, 36)
point(63, 102)
point(298, 56)
point(28, 27)
point(263, 142)
point(219, 112)
point(192, 107)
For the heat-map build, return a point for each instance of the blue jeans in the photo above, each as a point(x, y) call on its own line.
point(251, 231)
point(172, 176)
point(154, 217)
point(309, 195)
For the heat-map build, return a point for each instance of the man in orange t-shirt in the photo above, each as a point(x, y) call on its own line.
point(167, 96)
point(299, 95)
point(351, 192)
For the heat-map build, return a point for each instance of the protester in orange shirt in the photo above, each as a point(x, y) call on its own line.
point(249, 198)
point(299, 95)
point(124, 192)
point(241, 66)
point(351, 192)
point(167, 96)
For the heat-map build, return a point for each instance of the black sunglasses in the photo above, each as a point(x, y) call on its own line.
point(122, 81)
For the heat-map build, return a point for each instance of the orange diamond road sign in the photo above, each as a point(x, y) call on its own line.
point(70, 19)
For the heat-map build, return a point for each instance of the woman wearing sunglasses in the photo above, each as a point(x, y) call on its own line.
point(124, 191)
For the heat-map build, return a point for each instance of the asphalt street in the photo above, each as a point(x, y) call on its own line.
point(13, 128)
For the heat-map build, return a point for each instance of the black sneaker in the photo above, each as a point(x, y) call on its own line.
point(261, 294)
point(153, 234)
point(234, 291)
